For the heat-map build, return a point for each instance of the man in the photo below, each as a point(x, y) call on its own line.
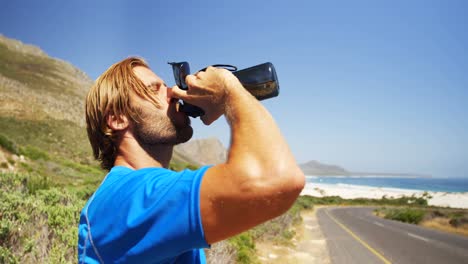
point(145, 213)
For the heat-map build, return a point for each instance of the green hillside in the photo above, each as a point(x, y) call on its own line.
point(41, 115)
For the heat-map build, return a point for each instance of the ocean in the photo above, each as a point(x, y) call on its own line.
point(423, 184)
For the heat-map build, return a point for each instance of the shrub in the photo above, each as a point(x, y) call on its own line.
point(305, 202)
point(6, 256)
point(35, 183)
point(8, 144)
point(458, 218)
point(39, 223)
point(457, 222)
point(407, 215)
point(245, 247)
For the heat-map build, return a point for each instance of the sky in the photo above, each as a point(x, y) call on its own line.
point(373, 86)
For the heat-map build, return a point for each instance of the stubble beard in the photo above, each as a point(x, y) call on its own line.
point(158, 129)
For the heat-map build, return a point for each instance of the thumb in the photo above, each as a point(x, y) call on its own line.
point(178, 93)
point(191, 80)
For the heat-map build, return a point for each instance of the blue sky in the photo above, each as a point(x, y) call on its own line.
point(367, 85)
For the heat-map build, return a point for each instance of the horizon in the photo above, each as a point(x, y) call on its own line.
point(366, 86)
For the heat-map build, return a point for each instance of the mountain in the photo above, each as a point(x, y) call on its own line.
point(316, 168)
point(42, 102)
point(202, 151)
point(36, 86)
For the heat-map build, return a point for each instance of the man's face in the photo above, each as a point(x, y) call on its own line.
point(163, 124)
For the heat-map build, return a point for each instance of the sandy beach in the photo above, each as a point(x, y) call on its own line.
point(347, 191)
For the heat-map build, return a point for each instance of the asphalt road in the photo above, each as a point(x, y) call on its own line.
point(355, 235)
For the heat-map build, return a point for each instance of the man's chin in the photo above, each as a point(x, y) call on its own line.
point(184, 134)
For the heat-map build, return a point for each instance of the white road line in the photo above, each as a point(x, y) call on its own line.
point(418, 237)
point(379, 224)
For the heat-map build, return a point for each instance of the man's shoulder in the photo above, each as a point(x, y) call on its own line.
point(121, 179)
point(125, 172)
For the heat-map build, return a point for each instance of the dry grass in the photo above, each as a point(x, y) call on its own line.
point(443, 224)
point(308, 245)
point(221, 253)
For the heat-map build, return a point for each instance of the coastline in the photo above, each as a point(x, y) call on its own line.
point(348, 191)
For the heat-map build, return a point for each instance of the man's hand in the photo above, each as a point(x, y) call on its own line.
point(210, 90)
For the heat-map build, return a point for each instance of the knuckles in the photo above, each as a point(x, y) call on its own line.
point(210, 68)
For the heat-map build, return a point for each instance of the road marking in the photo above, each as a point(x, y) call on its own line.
point(379, 224)
point(380, 256)
point(418, 237)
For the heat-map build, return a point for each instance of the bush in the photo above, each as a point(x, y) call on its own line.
point(305, 202)
point(35, 183)
point(458, 218)
point(245, 247)
point(407, 215)
point(8, 144)
point(38, 221)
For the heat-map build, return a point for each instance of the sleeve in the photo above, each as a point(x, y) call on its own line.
point(153, 217)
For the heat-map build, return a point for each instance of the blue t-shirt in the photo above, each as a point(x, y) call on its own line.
point(150, 215)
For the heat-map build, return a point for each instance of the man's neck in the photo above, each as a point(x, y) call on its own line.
point(133, 155)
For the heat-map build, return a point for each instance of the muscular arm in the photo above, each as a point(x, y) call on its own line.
point(260, 179)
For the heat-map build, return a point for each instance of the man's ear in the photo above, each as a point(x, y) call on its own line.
point(117, 123)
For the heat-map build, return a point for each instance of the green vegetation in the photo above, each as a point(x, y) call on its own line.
point(244, 246)
point(8, 144)
point(38, 220)
point(40, 205)
point(55, 137)
point(453, 218)
point(407, 215)
point(34, 153)
point(44, 144)
point(336, 200)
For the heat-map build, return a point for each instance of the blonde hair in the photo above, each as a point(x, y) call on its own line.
point(110, 95)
